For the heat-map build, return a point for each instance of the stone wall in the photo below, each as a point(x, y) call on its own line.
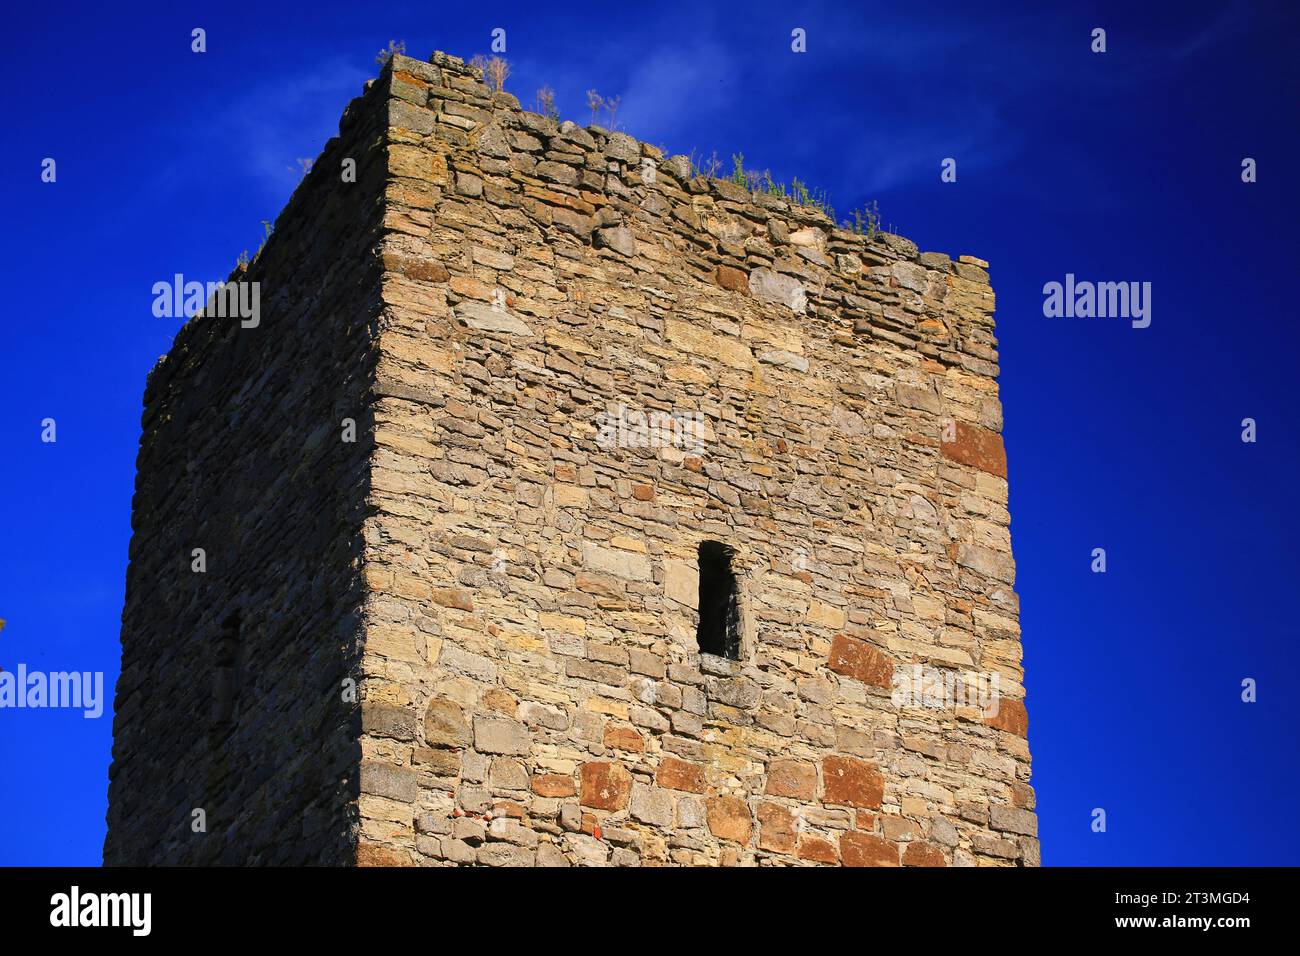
point(499, 303)
point(242, 456)
point(533, 692)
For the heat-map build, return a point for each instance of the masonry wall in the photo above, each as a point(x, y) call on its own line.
point(533, 692)
point(242, 455)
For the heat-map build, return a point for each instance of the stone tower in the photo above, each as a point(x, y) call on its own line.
point(562, 507)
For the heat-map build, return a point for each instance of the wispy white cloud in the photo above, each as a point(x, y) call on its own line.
point(257, 136)
point(273, 124)
point(695, 79)
point(1228, 24)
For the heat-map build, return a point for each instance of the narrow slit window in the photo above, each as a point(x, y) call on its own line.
point(719, 629)
point(226, 677)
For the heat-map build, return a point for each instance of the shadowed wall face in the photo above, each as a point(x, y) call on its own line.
point(233, 740)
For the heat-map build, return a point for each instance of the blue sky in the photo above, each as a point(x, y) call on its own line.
point(1122, 166)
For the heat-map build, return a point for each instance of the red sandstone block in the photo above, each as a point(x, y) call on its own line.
point(977, 447)
point(679, 775)
point(624, 738)
point(850, 782)
point(370, 854)
point(1022, 796)
point(553, 785)
point(791, 778)
point(427, 270)
point(863, 849)
point(729, 818)
point(775, 828)
point(410, 78)
point(923, 854)
point(732, 279)
point(605, 785)
point(859, 660)
point(453, 597)
point(818, 850)
point(508, 808)
point(1011, 717)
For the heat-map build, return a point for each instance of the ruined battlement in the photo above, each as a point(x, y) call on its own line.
point(880, 284)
